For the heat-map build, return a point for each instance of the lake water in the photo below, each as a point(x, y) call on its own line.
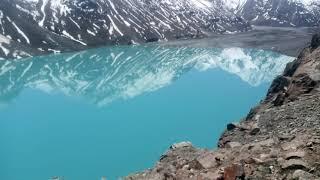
point(113, 111)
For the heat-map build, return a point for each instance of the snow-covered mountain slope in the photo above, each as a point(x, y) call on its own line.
point(234, 4)
point(280, 12)
point(104, 75)
point(67, 25)
point(35, 27)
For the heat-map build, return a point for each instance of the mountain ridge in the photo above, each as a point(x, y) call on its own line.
point(36, 27)
point(56, 25)
point(295, 13)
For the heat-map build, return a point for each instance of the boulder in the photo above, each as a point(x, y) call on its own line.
point(235, 171)
point(181, 145)
point(207, 160)
point(286, 137)
point(303, 175)
point(295, 155)
point(231, 126)
point(254, 131)
point(294, 164)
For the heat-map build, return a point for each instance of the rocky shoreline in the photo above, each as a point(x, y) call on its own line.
point(279, 139)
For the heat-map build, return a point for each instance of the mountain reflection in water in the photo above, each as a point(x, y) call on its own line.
point(107, 74)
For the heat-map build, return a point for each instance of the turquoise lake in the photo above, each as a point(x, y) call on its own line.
point(115, 110)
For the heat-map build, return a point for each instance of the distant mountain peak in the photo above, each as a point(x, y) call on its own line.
point(281, 12)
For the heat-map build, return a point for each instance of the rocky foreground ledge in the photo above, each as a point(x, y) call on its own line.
point(279, 139)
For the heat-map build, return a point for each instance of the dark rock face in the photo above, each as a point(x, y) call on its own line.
point(315, 42)
point(278, 85)
point(68, 25)
point(275, 141)
point(231, 126)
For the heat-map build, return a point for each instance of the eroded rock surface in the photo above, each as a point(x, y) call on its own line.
point(279, 139)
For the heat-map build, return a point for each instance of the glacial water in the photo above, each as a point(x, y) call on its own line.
point(113, 111)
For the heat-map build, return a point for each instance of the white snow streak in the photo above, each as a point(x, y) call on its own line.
point(44, 3)
point(20, 31)
point(115, 26)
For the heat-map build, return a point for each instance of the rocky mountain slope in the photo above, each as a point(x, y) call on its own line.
point(42, 26)
point(279, 139)
point(278, 12)
point(35, 27)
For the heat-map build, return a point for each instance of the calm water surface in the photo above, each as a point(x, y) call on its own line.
point(113, 111)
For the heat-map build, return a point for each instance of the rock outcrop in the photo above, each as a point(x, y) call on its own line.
point(279, 139)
